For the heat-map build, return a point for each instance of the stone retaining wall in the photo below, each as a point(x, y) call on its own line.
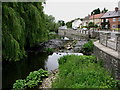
point(111, 62)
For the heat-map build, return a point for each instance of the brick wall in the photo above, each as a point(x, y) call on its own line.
point(114, 23)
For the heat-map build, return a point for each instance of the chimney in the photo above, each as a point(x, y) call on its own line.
point(116, 9)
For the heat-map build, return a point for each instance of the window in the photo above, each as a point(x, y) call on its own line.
point(106, 20)
point(118, 26)
point(118, 19)
point(114, 19)
point(113, 26)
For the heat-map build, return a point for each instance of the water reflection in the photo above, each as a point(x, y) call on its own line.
point(52, 61)
point(19, 70)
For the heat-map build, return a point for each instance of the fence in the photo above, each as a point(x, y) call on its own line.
point(110, 39)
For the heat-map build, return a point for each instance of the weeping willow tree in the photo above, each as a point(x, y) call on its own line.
point(23, 25)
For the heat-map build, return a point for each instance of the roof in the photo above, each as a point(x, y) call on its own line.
point(97, 16)
point(111, 14)
point(86, 18)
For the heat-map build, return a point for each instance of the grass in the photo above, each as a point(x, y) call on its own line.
point(82, 72)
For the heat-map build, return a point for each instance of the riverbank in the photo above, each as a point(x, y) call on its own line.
point(82, 72)
point(36, 59)
point(68, 47)
point(47, 82)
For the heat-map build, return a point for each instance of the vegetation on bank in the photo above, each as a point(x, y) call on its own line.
point(49, 50)
point(87, 48)
point(82, 72)
point(23, 26)
point(32, 80)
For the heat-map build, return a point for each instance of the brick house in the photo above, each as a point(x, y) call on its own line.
point(96, 19)
point(111, 20)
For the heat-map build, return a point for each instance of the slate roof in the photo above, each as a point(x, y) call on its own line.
point(111, 14)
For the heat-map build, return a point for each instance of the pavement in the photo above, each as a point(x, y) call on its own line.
point(107, 50)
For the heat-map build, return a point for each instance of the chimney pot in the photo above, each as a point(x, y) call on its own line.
point(116, 9)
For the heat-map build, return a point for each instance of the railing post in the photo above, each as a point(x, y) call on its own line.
point(107, 34)
point(100, 36)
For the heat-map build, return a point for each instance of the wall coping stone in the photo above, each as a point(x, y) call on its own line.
point(107, 50)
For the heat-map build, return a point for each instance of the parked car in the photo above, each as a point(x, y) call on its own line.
point(74, 28)
point(84, 28)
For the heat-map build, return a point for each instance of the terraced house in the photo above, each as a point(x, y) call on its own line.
point(96, 19)
point(111, 20)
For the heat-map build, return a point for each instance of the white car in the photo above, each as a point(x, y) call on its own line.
point(84, 28)
point(75, 28)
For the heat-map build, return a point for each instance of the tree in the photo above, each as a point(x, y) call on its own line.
point(23, 26)
point(91, 25)
point(61, 22)
point(69, 24)
point(104, 10)
point(95, 11)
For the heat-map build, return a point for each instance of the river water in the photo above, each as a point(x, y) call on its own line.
point(11, 71)
point(20, 69)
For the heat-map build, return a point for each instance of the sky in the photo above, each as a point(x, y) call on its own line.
point(68, 10)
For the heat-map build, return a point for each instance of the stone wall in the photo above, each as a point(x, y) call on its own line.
point(73, 34)
point(111, 62)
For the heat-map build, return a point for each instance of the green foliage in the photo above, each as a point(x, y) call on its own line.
point(61, 22)
point(96, 26)
point(104, 10)
point(82, 72)
point(49, 50)
point(24, 25)
point(32, 80)
point(87, 48)
point(84, 27)
point(91, 24)
point(19, 84)
point(95, 11)
point(51, 25)
point(13, 34)
point(69, 24)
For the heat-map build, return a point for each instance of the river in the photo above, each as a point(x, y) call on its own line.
point(20, 69)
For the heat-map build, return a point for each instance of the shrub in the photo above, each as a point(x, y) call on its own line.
point(87, 48)
point(32, 80)
point(49, 50)
point(19, 84)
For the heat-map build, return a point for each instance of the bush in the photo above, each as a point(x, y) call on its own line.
point(87, 48)
point(82, 72)
point(19, 84)
point(49, 50)
point(32, 80)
